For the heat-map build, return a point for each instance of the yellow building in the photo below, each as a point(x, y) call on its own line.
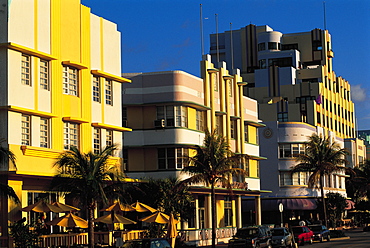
point(60, 81)
point(169, 112)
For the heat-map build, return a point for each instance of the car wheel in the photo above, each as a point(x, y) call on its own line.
point(302, 242)
point(328, 238)
point(321, 239)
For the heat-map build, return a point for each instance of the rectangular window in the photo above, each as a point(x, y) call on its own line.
point(71, 135)
point(108, 92)
point(26, 130)
point(44, 74)
point(97, 140)
point(246, 138)
point(283, 116)
point(70, 81)
point(261, 46)
point(168, 157)
point(200, 120)
point(233, 129)
point(175, 116)
point(26, 69)
point(228, 211)
point(44, 132)
point(262, 63)
point(272, 46)
point(285, 178)
point(109, 138)
point(96, 89)
point(124, 117)
point(219, 124)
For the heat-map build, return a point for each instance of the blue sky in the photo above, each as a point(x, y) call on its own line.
point(159, 35)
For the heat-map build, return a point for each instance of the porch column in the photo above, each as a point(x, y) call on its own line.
point(238, 203)
point(209, 212)
point(196, 213)
point(257, 204)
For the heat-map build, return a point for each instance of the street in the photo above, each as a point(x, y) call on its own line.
point(357, 238)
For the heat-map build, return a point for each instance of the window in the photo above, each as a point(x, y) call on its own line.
point(283, 116)
point(233, 129)
point(227, 211)
point(246, 138)
point(26, 69)
point(171, 158)
point(281, 62)
point(261, 46)
point(291, 150)
point(200, 120)
point(96, 89)
point(289, 178)
point(97, 140)
point(108, 92)
point(109, 138)
point(272, 46)
point(219, 124)
point(201, 211)
point(124, 117)
point(71, 135)
point(44, 132)
point(44, 74)
point(175, 116)
point(262, 63)
point(70, 81)
point(293, 46)
point(26, 130)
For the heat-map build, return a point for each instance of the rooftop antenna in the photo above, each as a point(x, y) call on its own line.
point(324, 15)
point(201, 29)
point(218, 53)
point(231, 46)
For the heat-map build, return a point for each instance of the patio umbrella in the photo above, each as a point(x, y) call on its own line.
point(117, 206)
point(157, 217)
point(69, 220)
point(172, 230)
point(114, 218)
point(42, 207)
point(141, 207)
point(65, 207)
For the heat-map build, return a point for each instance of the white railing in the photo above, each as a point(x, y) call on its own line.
point(204, 236)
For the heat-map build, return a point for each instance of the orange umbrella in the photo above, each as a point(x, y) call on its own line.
point(172, 230)
point(141, 207)
point(114, 218)
point(69, 220)
point(158, 217)
point(65, 207)
point(42, 207)
point(117, 206)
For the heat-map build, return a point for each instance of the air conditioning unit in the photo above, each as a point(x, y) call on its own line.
point(161, 123)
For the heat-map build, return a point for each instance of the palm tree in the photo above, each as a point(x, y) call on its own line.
point(88, 178)
point(358, 185)
point(213, 163)
point(5, 190)
point(322, 157)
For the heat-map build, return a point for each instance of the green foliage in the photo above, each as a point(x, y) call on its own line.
point(23, 235)
point(358, 185)
point(336, 205)
point(7, 156)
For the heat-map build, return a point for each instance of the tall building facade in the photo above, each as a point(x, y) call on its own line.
point(292, 78)
point(60, 86)
point(169, 113)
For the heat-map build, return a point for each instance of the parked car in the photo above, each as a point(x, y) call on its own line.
point(320, 232)
point(254, 236)
point(281, 237)
point(302, 235)
point(147, 243)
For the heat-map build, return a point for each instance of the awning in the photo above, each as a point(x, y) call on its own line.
point(350, 205)
point(289, 204)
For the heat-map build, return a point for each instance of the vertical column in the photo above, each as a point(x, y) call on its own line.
point(238, 203)
point(196, 213)
point(257, 203)
point(208, 220)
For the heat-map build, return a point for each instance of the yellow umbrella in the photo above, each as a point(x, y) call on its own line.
point(141, 207)
point(69, 220)
point(117, 206)
point(157, 217)
point(172, 230)
point(65, 207)
point(42, 207)
point(114, 218)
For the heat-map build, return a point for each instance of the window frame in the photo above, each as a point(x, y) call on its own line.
point(109, 137)
point(26, 69)
point(71, 127)
point(108, 92)
point(26, 130)
point(172, 158)
point(45, 132)
point(96, 89)
point(44, 74)
point(70, 80)
point(96, 140)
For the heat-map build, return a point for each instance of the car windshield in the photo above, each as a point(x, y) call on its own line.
point(315, 228)
point(297, 230)
point(247, 233)
point(277, 232)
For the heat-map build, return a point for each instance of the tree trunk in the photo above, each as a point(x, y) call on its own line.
point(323, 200)
point(213, 211)
point(90, 230)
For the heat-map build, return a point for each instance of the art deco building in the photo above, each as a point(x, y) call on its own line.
point(292, 78)
point(60, 86)
point(169, 113)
